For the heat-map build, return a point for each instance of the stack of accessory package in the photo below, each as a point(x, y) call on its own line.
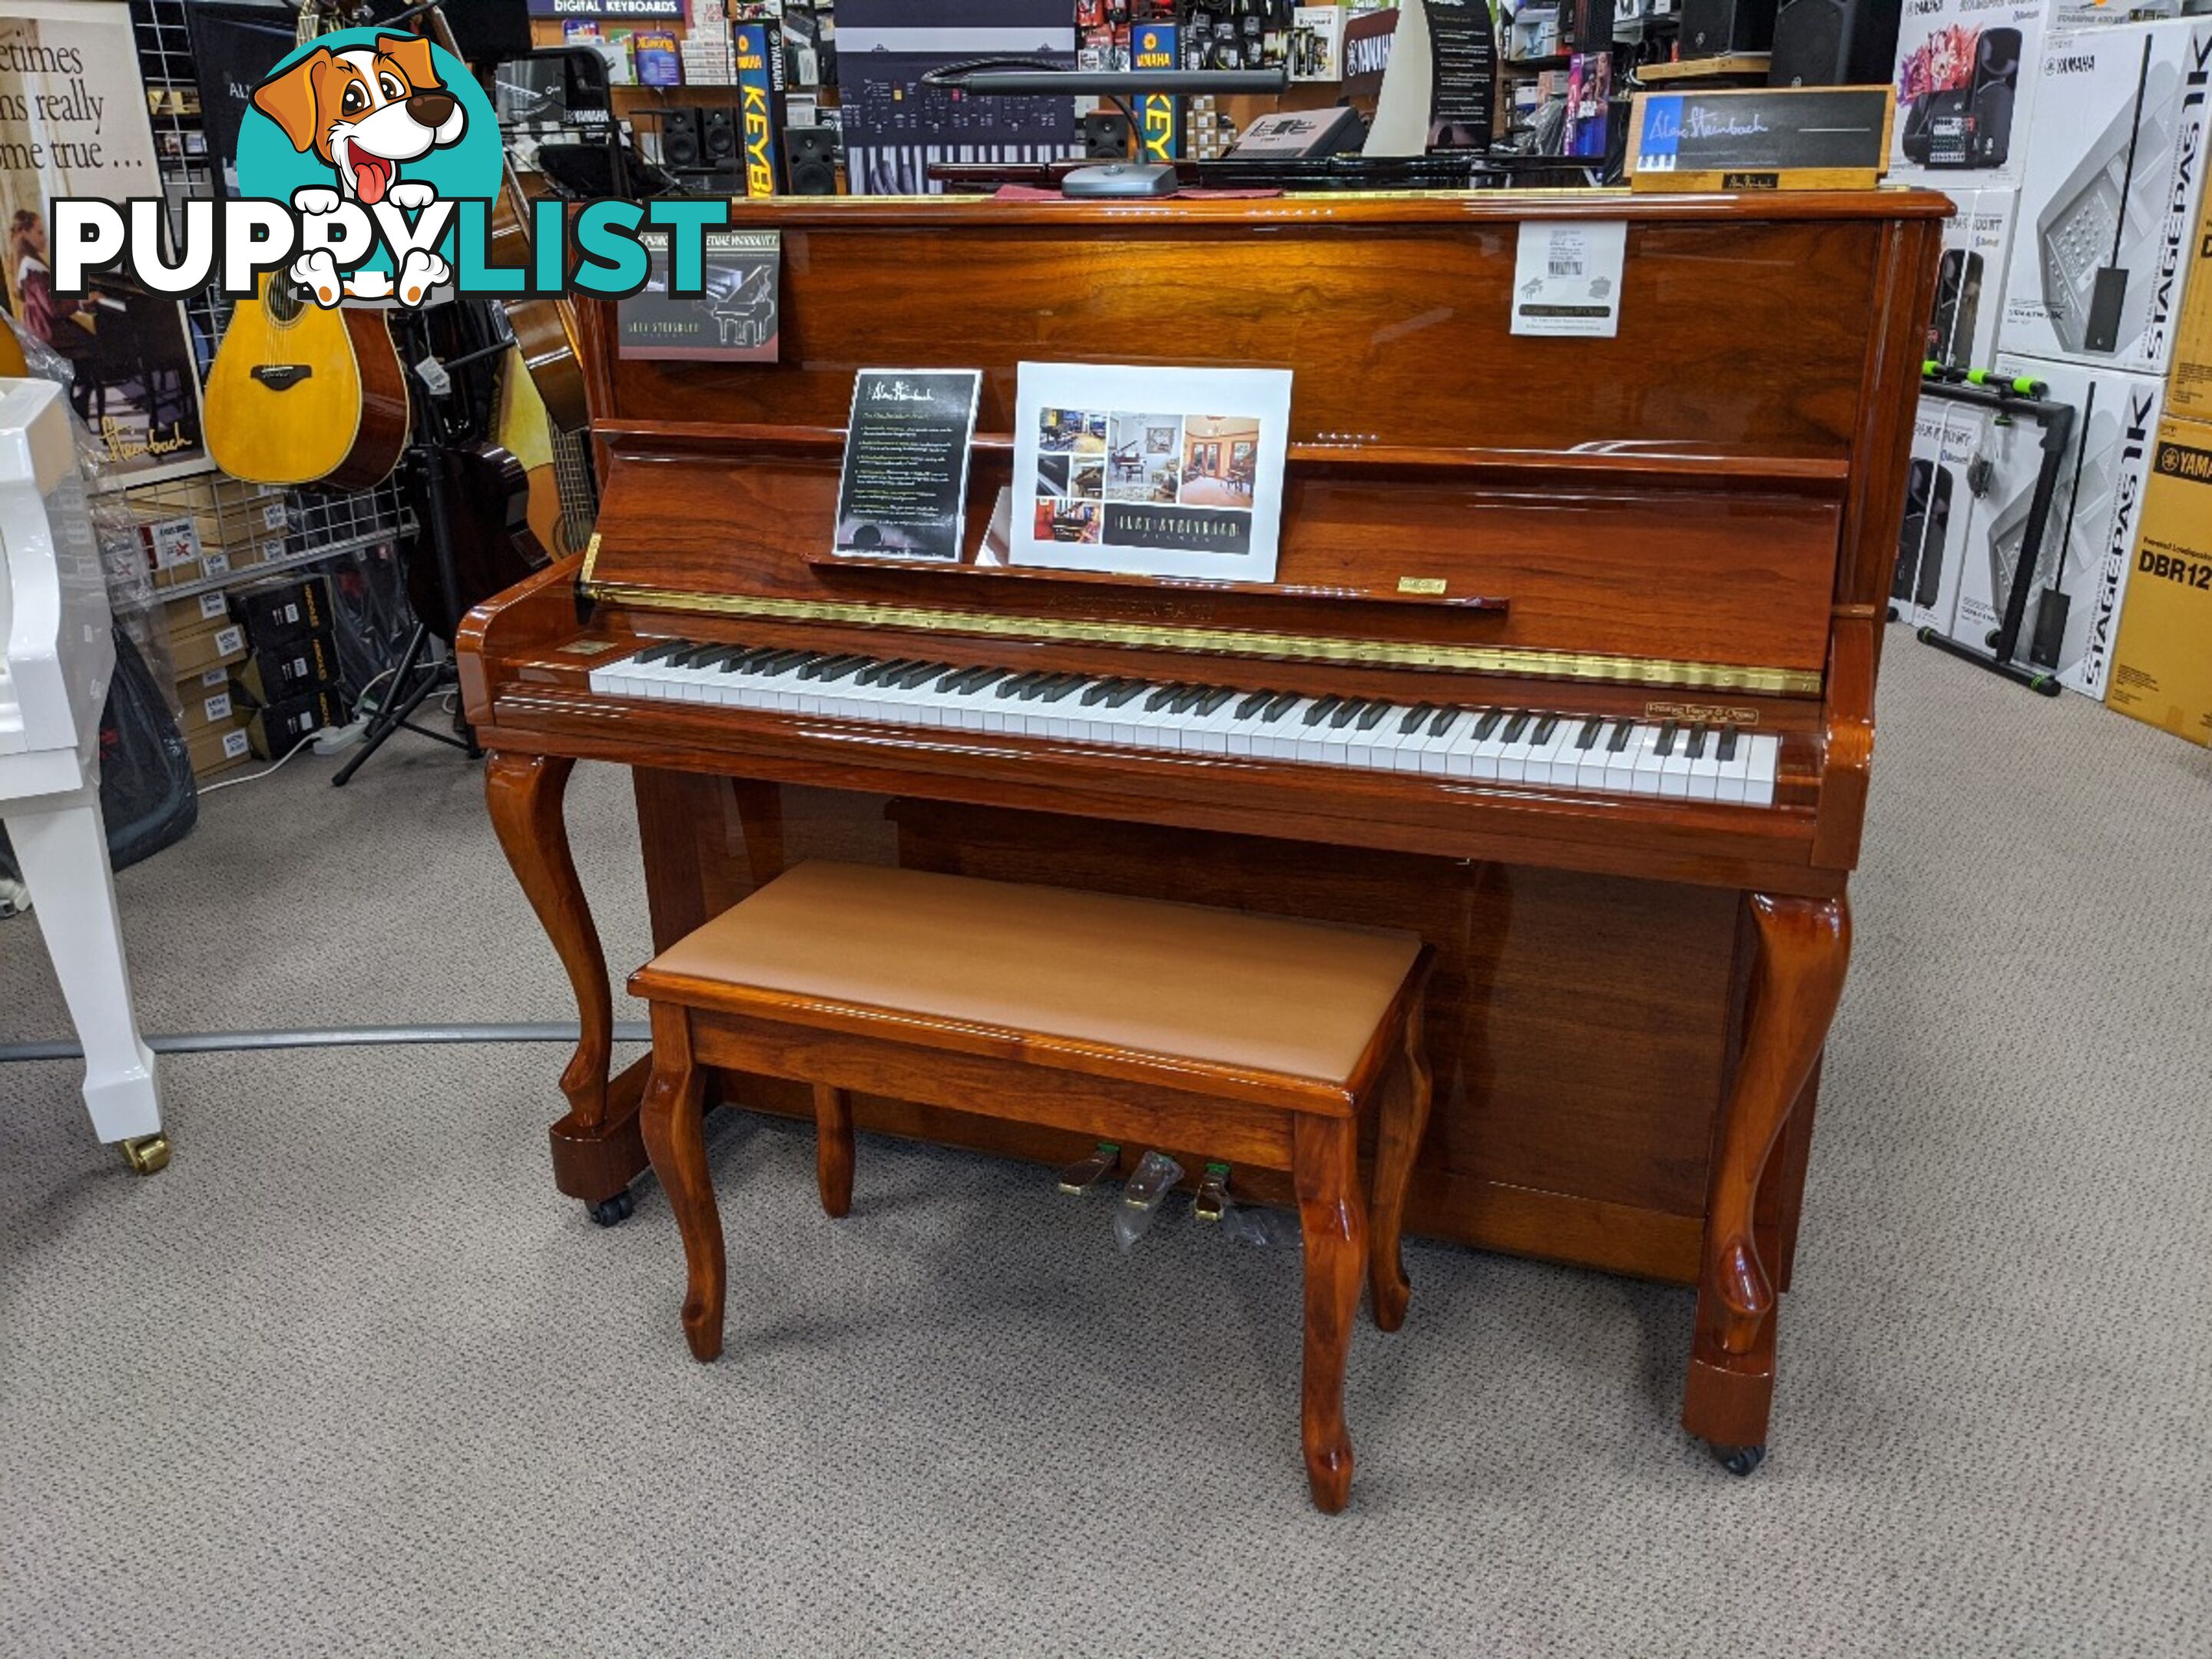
point(287, 690)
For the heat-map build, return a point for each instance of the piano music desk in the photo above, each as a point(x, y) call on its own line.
point(1680, 539)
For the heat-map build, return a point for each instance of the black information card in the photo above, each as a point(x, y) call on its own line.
point(904, 492)
point(734, 321)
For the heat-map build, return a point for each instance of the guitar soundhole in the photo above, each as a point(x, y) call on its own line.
point(286, 299)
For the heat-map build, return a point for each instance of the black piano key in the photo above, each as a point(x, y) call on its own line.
point(1371, 716)
point(1587, 737)
point(920, 675)
point(1284, 703)
point(753, 659)
point(784, 662)
point(1095, 693)
point(1037, 687)
point(1322, 710)
point(1488, 723)
point(1061, 688)
point(690, 656)
point(1545, 727)
point(1163, 695)
point(1517, 726)
point(1016, 686)
point(1447, 718)
point(1697, 743)
point(982, 679)
point(663, 651)
point(1344, 712)
point(1253, 704)
point(1414, 716)
point(1186, 700)
point(829, 673)
point(1213, 700)
point(1622, 731)
point(1666, 744)
point(1727, 750)
point(958, 679)
point(1128, 692)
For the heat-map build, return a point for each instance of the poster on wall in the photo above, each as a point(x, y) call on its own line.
point(1149, 471)
point(896, 125)
point(73, 121)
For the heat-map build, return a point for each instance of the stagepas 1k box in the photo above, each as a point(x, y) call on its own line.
point(2112, 202)
point(2081, 572)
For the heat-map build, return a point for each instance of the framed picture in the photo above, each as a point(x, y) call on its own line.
point(1151, 471)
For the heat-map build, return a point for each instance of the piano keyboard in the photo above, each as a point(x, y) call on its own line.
point(1605, 755)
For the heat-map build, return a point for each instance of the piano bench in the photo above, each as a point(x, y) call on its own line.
point(1252, 1039)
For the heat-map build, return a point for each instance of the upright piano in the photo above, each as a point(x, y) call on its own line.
point(1569, 665)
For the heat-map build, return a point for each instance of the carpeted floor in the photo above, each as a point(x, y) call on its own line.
point(348, 1378)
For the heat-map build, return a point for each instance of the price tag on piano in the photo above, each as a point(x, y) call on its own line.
point(1566, 276)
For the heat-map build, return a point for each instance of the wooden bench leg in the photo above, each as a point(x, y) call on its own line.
point(675, 1141)
point(1405, 1119)
point(832, 1148)
point(1325, 1154)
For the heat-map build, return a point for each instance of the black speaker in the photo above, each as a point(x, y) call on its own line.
point(718, 136)
point(810, 157)
point(1105, 136)
point(1586, 26)
point(1713, 29)
point(490, 30)
point(1834, 43)
point(679, 136)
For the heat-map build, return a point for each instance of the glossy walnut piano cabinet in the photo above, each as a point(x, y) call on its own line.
point(1678, 537)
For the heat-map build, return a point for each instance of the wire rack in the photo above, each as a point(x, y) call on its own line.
point(247, 529)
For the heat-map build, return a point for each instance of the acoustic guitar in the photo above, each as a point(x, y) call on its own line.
point(300, 395)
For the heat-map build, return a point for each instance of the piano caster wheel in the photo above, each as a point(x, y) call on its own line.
point(146, 1154)
point(609, 1211)
point(1738, 1460)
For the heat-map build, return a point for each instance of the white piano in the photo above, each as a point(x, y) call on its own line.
point(58, 658)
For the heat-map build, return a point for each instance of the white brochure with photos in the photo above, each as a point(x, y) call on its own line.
point(1149, 471)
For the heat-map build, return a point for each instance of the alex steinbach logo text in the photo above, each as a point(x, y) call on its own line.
point(369, 166)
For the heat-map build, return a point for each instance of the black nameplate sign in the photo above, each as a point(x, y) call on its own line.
point(1761, 137)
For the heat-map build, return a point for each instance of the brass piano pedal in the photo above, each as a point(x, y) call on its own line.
point(1086, 1173)
point(146, 1154)
point(1212, 1200)
point(1152, 1180)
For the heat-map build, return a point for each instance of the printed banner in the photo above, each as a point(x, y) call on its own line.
point(73, 123)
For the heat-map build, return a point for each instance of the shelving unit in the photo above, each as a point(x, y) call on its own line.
point(317, 525)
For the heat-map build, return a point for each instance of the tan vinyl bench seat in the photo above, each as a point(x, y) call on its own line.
point(1258, 1040)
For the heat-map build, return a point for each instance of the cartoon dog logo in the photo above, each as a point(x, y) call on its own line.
point(365, 112)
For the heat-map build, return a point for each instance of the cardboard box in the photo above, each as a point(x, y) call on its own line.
point(2112, 209)
point(1967, 78)
point(2089, 545)
point(218, 748)
point(206, 707)
point(2162, 664)
point(1947, 438)
point(2189, 376)
point(276, 673)
point(276, 730)
point(1962, 326)
point(197, 613)
point(278, 612)
point(202, 649)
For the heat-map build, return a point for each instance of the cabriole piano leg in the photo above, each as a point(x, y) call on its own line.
point(1804, 946)
point(596, 1146)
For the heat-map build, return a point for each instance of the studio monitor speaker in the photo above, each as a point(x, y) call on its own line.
point(679, 136)
point(1105, 136)
point(810, 154)
point(1834, 43)
point(718, 136)
point(1713, 28)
